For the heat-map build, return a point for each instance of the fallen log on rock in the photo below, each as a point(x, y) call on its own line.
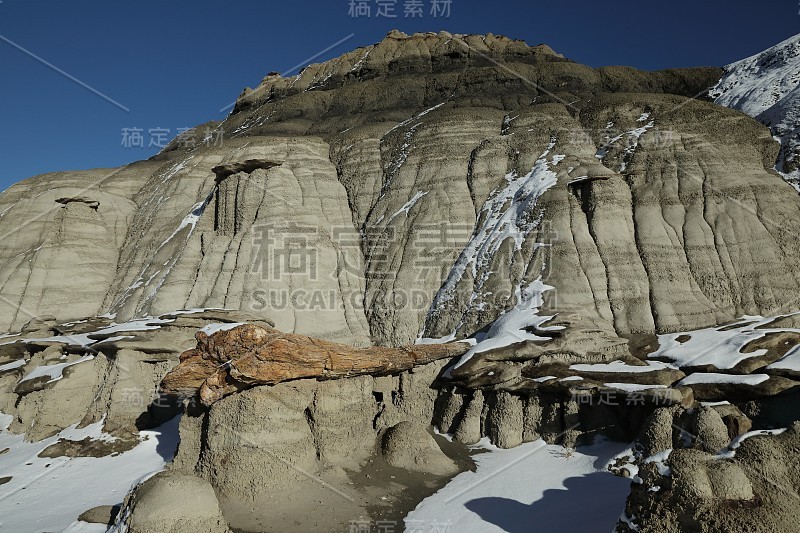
point(251, 355)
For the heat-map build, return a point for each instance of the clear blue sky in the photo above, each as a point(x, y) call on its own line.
point(175, 64)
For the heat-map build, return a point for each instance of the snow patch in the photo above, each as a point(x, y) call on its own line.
point(54, 372)
point(790, 361)
point(506, 215)
point(13, 364)
point(408, 205)
point(48, 494)
point(766, 86)
point(512, 326)
point(701, 377)
point(534, 486)
point(720, 347)
point(730, 451)
point(210, 329)
point(620, 366)
point(633, 387)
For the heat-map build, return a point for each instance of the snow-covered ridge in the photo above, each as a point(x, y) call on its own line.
point(766, 86)
point(757, 83)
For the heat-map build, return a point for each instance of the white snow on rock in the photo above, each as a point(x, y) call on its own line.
point(138, 324)
point(790, 361)
point(48, 494)
point(703, 377)
point(631, 140)
point(512, 326)
point(83, 339)
point(533, 487)
point(579, 179)
point(13, 364)
point(715, 404)
point(408, 205)
point(730, 451)
point(757, 83)
point(718, 346)
point(621, 366)
point(191, 219)
point(54, 372)
point(505, 215)
point(210, 329)
point(633, 387)
point(84, 527)
point(660, 459)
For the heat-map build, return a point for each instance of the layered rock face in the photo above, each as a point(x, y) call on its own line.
point(273, 453)
point(368, 214)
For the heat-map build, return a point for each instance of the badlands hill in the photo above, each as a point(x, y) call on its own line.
point(588, 232)
point(663, 212)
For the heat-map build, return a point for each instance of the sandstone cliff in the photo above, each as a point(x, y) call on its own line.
point(657, 212)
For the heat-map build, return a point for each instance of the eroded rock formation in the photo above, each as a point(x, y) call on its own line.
point(660, 213)
point(709, 476)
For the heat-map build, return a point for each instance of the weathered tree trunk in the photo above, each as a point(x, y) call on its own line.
point(251, 355)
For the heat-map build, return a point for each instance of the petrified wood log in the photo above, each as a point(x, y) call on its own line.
point(251, 355)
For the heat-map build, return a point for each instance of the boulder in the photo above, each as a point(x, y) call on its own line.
point(752, 487)
point(174, 503)
point(710, 430)
point(657, 432)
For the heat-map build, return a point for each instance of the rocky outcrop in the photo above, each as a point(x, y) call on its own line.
point(409, 445)
point(250, 355)
point(750, 485)
point(272, 452)
point(57, 375)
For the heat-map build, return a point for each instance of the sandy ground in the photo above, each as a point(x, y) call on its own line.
point(378, 497)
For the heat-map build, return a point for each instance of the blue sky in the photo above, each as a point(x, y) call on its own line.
point(174, 64)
